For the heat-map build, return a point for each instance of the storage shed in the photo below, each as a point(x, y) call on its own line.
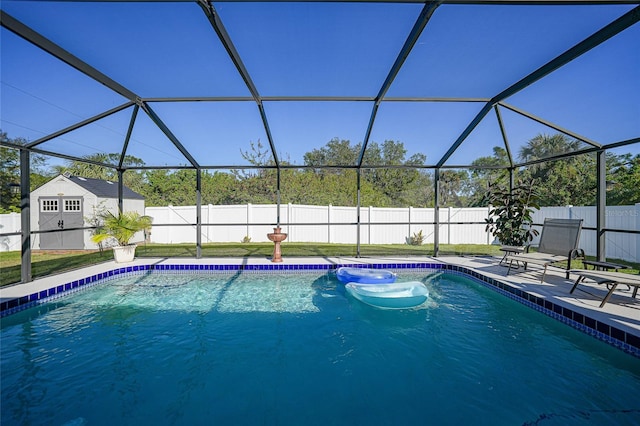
point(68, 201)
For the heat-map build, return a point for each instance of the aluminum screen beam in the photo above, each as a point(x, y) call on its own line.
point(621, 143)
point(470, 2)
point(225, 39)
point(55, 154)
point(604, 34)
point(163, 127)
point(580, 152)
point(25, 216)
point(313, 99)
point(503, 132)
point(47, 45)
point(549, 124)
point(562, 156)
point(127, 138)
point(412, 39)
point(198, 214)
point(78, 125)
point(601, 206)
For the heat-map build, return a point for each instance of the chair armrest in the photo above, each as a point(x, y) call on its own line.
point(577, 254)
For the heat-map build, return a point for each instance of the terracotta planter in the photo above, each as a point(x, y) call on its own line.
point(124, 254)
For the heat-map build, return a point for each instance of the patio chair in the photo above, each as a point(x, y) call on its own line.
point(558, 242)
point(610, 279)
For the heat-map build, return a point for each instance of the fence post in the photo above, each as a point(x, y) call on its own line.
point(329, 224)
point(369, 224)
point(289, 216)
point(172, 220)
point(207, 236)
point(248, 220)
point(488, 217)
point(409, 236)
point(449, 225)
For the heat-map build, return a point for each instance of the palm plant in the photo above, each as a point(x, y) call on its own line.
point(545, 146)
point(121, 227)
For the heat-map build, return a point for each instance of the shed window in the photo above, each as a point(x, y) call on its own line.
point(72, 205)
point(49, 206)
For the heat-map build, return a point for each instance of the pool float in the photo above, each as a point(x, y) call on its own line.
point(365, 275)
point(390, 296)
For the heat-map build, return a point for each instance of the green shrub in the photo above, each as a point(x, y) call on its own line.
point(416, 239)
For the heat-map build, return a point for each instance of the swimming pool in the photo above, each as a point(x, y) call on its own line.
point(246, 348)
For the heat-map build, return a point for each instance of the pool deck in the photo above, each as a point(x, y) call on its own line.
point(622, 311)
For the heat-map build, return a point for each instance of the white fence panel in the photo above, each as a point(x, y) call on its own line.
point(347, 234)
point(265, 213)
point(419, 219)
point(457, 225)
point(472, 229)
point(9, 223)
point(619, 245)
point(389, 234)
point(309, 214)
point(588, 238)
point(160, 215)
point(231, 223)
point(238, 215)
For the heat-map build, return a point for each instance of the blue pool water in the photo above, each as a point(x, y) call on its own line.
point(294, 349)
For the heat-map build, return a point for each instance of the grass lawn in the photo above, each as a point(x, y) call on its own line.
point(51, 262)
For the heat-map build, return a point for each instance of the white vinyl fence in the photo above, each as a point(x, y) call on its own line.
point(10, 223)
point(336, 224)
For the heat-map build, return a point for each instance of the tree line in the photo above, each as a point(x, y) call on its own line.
point(569, 181)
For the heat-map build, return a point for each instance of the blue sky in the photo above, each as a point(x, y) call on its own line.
point(314, 49)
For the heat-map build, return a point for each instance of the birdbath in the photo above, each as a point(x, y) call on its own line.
point(277, 237)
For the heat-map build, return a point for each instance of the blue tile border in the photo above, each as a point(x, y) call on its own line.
point(620, 339)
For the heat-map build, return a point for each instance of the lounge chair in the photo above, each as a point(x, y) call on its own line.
point(558, 242)
point(611, 279)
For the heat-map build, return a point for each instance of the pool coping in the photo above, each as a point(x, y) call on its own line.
point(623, 339)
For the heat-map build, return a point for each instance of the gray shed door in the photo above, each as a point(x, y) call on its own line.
point(58, 213)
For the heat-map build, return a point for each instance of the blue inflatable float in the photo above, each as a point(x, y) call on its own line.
point(365, 275)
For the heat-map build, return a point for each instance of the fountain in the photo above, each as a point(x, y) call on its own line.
point(277, 237)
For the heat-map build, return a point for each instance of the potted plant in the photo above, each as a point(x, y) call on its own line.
point(121, 228)
point(510, 214)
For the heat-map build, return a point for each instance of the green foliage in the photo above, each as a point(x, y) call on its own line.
point(384, 187)
point(10, 173)
point(453, 188)
point(335, 152)
point(624, 174)
point(121, 227)
point(165, 187)
point(570, 180)
point(92, 169)
point(510, 216)
point(416, 239)
point(246, 239)
point(485, 173)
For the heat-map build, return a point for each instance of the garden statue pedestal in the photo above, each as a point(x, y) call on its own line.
point(277, 237)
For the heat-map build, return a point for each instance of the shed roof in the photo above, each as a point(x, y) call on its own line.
point(104, 188)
